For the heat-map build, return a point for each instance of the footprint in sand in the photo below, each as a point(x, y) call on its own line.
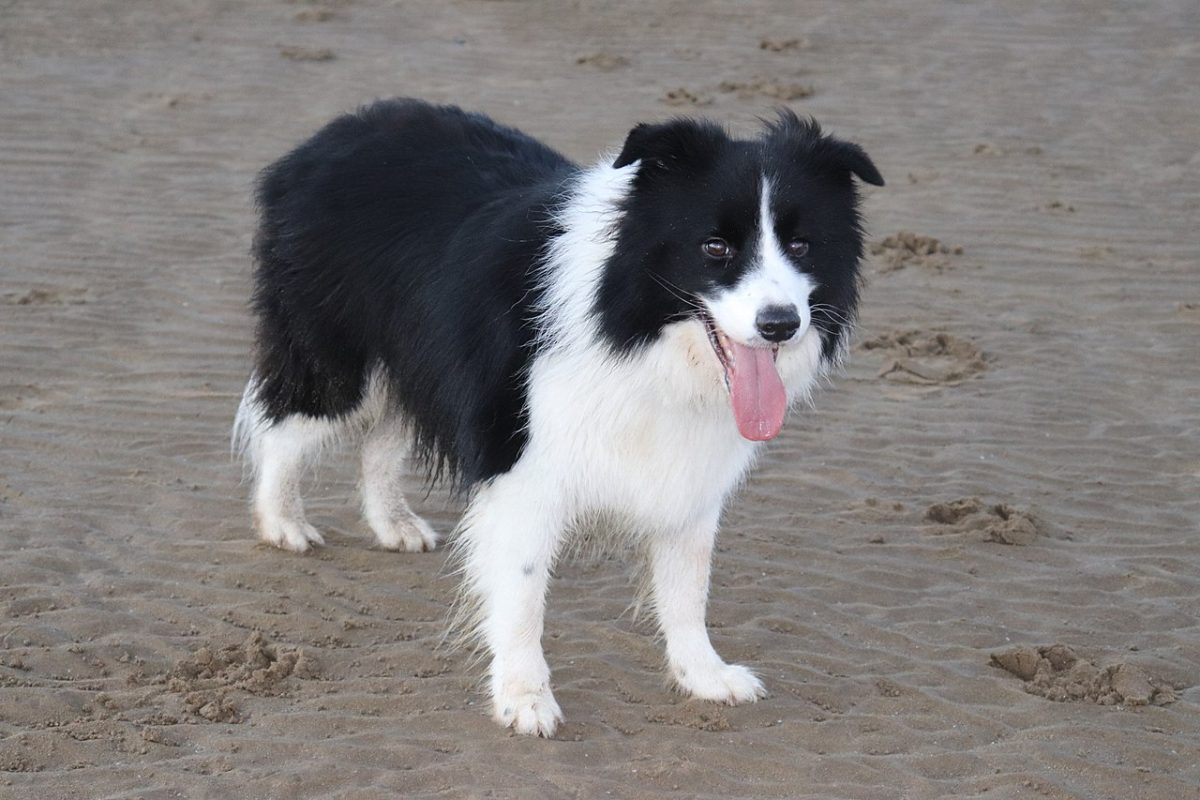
point(998, 523)
point(316, 15)
point(783, 45)
point(926, 358)
point(605, 62)
point(46, 297)
point(1057, 673)
point(307, 54)
point(685, 97)
point(908, 249)
point(766, 87)
point(1058, 206)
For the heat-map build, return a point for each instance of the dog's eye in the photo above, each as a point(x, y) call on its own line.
point(797, 247)
point(717, 248)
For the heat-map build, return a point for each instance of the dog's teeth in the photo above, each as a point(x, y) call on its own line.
point(725, 348)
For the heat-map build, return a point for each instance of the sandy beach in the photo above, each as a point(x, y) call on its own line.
point(971, 570)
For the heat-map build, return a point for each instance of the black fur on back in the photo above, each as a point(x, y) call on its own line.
point(406, 236)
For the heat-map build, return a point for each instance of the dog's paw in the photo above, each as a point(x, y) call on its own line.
point(287, 534)
point(529, 713)
point(721, 683)
point(411, 534)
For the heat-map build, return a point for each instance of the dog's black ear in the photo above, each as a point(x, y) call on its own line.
point(854, 158)
point(679, 141)
point(804, 139)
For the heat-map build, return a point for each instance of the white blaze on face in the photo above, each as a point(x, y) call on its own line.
point(758, 395)
point(772, 280)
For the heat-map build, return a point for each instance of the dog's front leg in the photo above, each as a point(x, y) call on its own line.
point(680, 563)
point(512, 537)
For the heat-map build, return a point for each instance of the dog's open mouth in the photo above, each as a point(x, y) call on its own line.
point(755, 388)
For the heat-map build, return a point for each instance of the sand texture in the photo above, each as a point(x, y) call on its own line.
point(973, 570)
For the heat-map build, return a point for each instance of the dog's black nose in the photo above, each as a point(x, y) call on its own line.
point(778, 323)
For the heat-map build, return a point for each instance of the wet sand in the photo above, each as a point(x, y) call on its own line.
point(1010, 462)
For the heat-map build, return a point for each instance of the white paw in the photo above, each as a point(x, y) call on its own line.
point(411, 534)
point(721, 683)
point(528, 713)
point(287, 534)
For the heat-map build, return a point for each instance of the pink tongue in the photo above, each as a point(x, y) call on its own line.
point(759, 399)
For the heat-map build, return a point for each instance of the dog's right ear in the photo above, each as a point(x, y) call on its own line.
point(668, 144)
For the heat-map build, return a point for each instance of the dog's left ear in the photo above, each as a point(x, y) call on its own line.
point(666, 145)
point(855, 159)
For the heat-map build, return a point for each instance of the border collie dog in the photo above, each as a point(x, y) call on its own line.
point(565, 345)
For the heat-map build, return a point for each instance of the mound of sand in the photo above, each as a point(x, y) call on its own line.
point(926, 357)
point(905, 248)
point(998, 522)
point(1057, 673)
point(205, 677)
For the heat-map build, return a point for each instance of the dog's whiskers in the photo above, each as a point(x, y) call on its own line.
point(830, 313)
point(678, 293)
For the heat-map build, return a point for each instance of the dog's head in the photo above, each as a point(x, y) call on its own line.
point(757, 240)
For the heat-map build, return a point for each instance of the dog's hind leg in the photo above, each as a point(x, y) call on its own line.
point(280, 453)
point(680, 564)
point(511, 535)
point(385, 510)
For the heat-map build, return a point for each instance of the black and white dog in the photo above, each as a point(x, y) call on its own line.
point(568, 345)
